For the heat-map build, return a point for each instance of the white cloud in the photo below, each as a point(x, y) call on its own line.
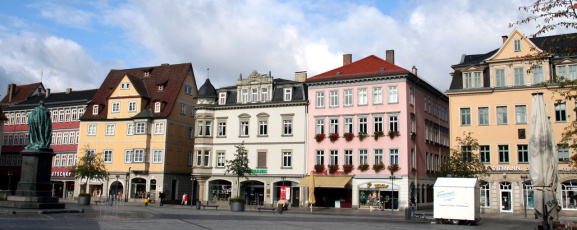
point(66, 15)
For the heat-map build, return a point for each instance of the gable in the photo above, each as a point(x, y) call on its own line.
point(507, 50)
point(125, 88)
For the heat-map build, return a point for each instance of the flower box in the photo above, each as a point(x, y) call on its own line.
point(393, 134)
point(378, 167)
point(319, 168)
point(333, 169)
point(393, 168)
point(364, 167)
point(334, 136)
point(362, 135)
point(348, 168)
point(319, 137)
point(349, 136)
point(378, 134)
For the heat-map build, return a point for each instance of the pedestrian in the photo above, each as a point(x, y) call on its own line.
point(185, 199)
point(382, 203)
point(161, 197)
point(412, 206)
point(182, 200)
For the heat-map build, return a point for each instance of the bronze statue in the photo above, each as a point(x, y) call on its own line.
point(40, 128)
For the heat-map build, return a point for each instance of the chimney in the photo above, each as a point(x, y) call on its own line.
point(391, 56)
point(504, 37)
point(10, 91)
point(347, 59)
point(47, 92)
point(68, 90)
point(415, 70)
point(301, 76)
point(164, 64)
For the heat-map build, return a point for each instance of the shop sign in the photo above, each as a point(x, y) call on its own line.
point(61, 174)
point(92, 180)
point(285, 192)
point(377, 186)
point(518, 168)
point(259, 171)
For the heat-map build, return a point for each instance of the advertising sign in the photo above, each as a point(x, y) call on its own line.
point(285, 192)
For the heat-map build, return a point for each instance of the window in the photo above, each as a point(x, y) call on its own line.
point(189, 158)
point(348, 125)
point(220, 160)
point(130, 129)
point(73, 118)
point(61, 116)
point(412, 123)
point(362, 96)
point(128, 154)
point(334, 126)
point(254, 95)
point(485, 151)
point(502, 115)
point(363, 157)
point(538, 75)
point(413, 158)
point(320, 128)
point(478, 80)
point(483, 116)
point(348, 97)
point(139, 155)
point(80, 112)
point(393, 94)
point(262, 128)
point(124, 85)
point(288, 127)
point(500, 78)
point(286, 159)
point(348, 157)
point(523, 153)
point(244, 128)
point(562, 71)
point(363, 125)
point(320, 99)
point(517, 45)
point(107, 156)
point(64, 138)
point(503, 154)
point(70, 160)
point(95, 110)
point(222, 129)
point(192, 111)
point(394, 156)
point(222, 99)
point(288, 94)
point(563, 154)
point(573, 72)
point(334, 157)
point(467, 152)
point(110, 129)
point(560, 112)
point(57, 160)
point(190, 133)
point(182, 109)
point(379, 158)
point(54, 117)
point(468, 81)
point(519, 76)
point(377, 95)
point(334, 98)
point(157, 107)
point(140, 128)
point(264, 94)
point(157, 156)
point(485, 194)
point(320, 157)
point(393, 123)
point(66, 116)
point(378, 124)
point(91, 130)
point(198, 158)
point(521, 114)
point(159, 128)
point(115, 107)
point(244, 98)
point(132, 106)
point(208, 131)
point(72, 139)
point(200, 127)
point(411, 96)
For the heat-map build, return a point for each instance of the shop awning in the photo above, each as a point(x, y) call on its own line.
point(327, 181)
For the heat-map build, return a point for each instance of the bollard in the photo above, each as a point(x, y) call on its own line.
point(280, 208)
point(407, 213)
point(198, 205)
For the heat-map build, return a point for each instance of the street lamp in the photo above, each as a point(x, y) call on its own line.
point(10, 173)
point(523, 179)
point(192, 179)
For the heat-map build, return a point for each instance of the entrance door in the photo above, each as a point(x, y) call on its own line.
point(506, 195)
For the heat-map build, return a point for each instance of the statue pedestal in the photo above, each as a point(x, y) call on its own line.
point(34, 189)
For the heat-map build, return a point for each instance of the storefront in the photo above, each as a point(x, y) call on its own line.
point(62, 184)
point(287, 190)
point(137, 188)
point(331, 191)
point(219, 190)
point(253, 192)
point(379, 194)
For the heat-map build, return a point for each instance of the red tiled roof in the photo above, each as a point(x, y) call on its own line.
point(20, 93)
point(368, 66)
point(172, 76)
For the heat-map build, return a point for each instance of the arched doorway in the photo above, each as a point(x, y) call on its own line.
point(116, 189)
point(137, 188)
point(253, 192)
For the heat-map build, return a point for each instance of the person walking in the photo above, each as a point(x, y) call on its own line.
point(161, 197)
point(412, 206)
point(185, 199)
point(182, 200)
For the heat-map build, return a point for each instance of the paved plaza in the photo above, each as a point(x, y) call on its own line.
point(137, 216)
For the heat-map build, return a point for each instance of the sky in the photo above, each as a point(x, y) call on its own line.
point(75, 43)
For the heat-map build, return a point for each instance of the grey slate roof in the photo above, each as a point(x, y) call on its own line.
point(299, 92)
point(55, 100)
point(207, 90)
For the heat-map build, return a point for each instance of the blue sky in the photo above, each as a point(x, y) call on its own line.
point(74, 44)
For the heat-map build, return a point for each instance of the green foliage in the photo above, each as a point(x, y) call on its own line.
point(461, 163)
point(239, 165)
point(90, 166)
point(237, 199)
point(82, 194)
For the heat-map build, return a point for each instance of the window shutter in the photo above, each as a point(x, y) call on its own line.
point(261, 159)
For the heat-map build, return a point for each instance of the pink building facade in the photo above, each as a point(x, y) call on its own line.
point(375, 116)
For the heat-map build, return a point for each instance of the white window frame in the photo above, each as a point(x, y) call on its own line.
point(139, 155)
point(95, 110)
point(222, 98)
point(110, 129)
point(128, 155)
point(129, 129)
point(222, 129)
point(348, 99)
point(220, 160)
point(287, 127)
point(159, 128)
point(157, 107)
point(334, 98)
point(91, 129)
point(517, 45)
point(254, 95)
point(132, 106)
point(107, 156)
point(157, 156)
point(263, 128)
point(286, 159)
point(140, 128)
point(320, 99)
point(394, 156)
point(115, 107)
point(377, 95)
point(521, 114)
point(264, 94)
point(244, 96)
point(362, 96)
point(182, 109)
point(244, 128)
point(288, 94)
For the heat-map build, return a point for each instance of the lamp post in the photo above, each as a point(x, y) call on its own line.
point(283, 178)
point(10, 173)
point(523, 179)
point(392, 193)
point(192, 179)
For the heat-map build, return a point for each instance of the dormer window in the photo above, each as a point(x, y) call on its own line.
point(472, 80)
point(264, 94)
point(160, 87)
point(244, 98)
point(146, 73)
point(287, 94)
point(157, 107)
point(95, 110)
point(222, 99)
point(517, 45)
point(125, 85)
point(254, 95)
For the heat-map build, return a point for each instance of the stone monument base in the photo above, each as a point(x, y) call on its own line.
point(31, 202)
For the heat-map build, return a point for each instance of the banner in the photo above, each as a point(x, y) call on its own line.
point(285, 192)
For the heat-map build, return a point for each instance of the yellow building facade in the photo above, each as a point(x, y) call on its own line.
point(141, 121)
point(490, 97)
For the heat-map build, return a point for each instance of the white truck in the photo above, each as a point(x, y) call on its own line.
point(456, 200)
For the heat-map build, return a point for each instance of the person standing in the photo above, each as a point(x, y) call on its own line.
point(161, 197)
point(185, 199)
point(412, 206)
point(182, 200)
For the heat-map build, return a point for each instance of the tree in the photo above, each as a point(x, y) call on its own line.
point(552, 15)
point(90, 166)
point(462, 162)
point(239, 165)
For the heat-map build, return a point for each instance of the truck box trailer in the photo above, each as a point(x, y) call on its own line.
point(457, 200)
